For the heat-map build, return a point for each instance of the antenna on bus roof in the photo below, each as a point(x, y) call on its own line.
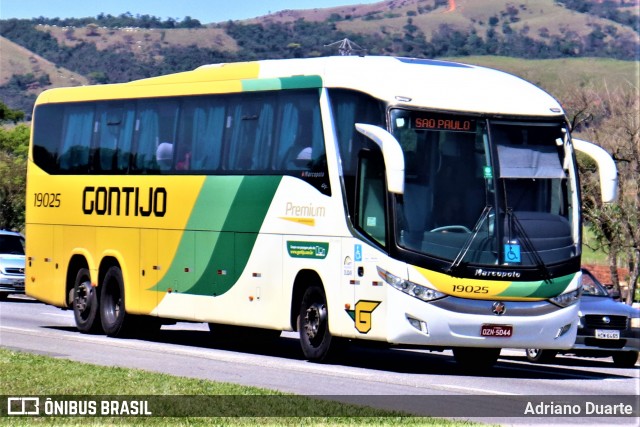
point(346, 47)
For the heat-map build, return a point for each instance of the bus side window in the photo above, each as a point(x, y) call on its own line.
point(251, 129)
point(47, 136)
point(115, 133)
point(201, 134)
point(77, 134)
point(370, 209)
point(156, 124)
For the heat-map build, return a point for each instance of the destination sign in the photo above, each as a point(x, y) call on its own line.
point(443, 123)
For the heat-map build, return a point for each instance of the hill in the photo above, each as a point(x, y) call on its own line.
point(558, 76)
point(540, 19)
point(141, 41)
point(24, 74)
point(16, 60)
point(109, 49)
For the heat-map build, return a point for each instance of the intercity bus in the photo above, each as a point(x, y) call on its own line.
point(408, 202)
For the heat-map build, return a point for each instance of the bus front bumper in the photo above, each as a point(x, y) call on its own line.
point(457, 322)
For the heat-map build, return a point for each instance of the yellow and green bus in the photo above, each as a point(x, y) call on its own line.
point(406, 201)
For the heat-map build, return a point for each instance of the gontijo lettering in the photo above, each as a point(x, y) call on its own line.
point(126, 201)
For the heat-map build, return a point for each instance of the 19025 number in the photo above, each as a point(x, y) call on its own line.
point(46, 200)
point(470, 289)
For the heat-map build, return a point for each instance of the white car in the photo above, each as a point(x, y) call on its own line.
point(11, 263)
point(606, 328)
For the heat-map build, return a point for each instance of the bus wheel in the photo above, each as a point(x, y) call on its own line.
point(85, 303)
point(313, 324)
point(476, 359)
point(537, 355)
point(112, 312)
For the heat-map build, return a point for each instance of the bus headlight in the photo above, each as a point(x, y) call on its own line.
point(567, 299)
point(417, 291)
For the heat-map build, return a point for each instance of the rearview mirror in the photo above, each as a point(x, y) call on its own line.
point(391, 152)
point(606, 168)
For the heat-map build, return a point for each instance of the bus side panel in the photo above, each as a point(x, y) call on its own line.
point(256, 297)
point(147, 274)
point(40, 266)
point(371, 301)
point(177, 270)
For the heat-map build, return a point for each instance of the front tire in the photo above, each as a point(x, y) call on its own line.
point(313, 325)
point(112, 307)
point(537, 355)
point(85, 304)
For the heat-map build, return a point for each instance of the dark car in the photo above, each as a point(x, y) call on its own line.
point(606, 328)
point(11, 263)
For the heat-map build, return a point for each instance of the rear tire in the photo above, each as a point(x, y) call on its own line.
point(115, 320)
point(625, 359)
point(537, 355)
point(86, 304)
point(313, 325)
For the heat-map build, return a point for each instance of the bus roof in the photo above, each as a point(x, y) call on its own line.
point(418, 83)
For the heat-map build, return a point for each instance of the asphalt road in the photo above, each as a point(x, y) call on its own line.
point(390, 378)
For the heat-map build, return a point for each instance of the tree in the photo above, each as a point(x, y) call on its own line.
point(9, 115)
point(14, 145)
point(611, 120)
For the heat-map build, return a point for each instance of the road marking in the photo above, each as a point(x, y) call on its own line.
point(477, 390)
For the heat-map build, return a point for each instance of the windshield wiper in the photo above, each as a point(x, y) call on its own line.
point(453, 268)
point(527, 243)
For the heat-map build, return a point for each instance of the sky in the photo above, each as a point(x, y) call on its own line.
point(206, 11)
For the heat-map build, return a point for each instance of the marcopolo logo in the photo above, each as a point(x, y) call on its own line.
point(500, 274)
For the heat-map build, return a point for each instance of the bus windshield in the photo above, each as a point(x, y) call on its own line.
point(485, 192)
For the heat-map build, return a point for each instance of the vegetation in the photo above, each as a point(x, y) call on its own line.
point(120, 21)
point(24, 374)
point(14, 145)
point(610, 33)
point(611, 118)
point(607, 9)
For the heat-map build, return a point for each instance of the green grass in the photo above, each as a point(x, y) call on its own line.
point(558, 76)
point(590, 256)
point(24, 374)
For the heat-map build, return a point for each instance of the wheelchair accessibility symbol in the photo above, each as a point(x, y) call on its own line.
point(511, 253)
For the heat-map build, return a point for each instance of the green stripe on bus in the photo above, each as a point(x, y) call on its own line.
point(541, 289)
point(301, 82)
point(233, 208)
point(297, 82)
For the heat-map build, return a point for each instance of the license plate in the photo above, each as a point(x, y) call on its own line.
point(607, 335)
point(499, 331)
